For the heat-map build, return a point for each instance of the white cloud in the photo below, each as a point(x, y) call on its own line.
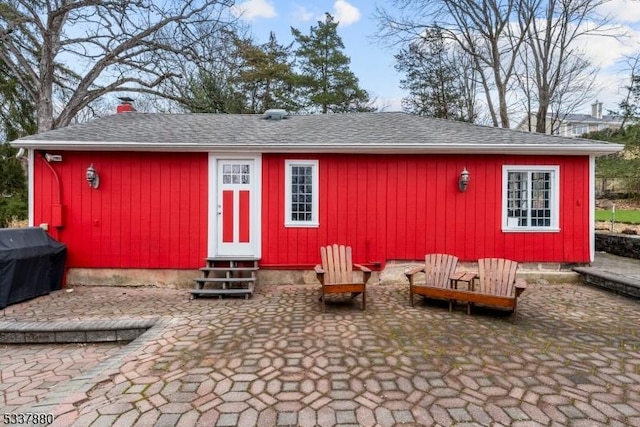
point(609, 54)
point(393, 103)
point(608, 51)
point(623, 11)
point(345, 13)
point(610, 90)
point(253, 9)
point(301, 14)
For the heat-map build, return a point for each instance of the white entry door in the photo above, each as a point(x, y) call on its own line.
point(237, 208)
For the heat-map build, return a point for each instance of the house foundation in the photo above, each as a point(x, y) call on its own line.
point(392, 273)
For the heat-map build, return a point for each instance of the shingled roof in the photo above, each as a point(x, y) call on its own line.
point(394, 132)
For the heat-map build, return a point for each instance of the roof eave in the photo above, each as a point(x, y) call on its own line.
point(519, 149)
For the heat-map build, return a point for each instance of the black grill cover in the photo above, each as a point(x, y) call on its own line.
point(31, 264)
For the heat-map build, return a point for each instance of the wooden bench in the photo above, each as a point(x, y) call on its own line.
point(438, 270)
point(497, 284)
point(494, 285)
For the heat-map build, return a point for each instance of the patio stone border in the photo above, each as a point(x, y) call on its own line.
point(64, 396)
point(81, 331)
point(614, 282)
point(619, 244)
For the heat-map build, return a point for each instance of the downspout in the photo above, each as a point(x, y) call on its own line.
point(31, 160)
point(56, 208)
point(592, 208)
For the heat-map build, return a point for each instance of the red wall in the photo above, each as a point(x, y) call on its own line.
point(400, 207)
point(150, 210)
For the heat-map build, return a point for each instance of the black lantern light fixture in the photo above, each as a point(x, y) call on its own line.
point(463, 182)
point(92, 177)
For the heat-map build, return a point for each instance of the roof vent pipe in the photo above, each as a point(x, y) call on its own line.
point(275, 114)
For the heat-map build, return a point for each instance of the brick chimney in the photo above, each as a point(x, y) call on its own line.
point(126, 105)
point(596, 110)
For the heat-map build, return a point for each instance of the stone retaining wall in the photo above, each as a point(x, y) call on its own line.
point(619, 244)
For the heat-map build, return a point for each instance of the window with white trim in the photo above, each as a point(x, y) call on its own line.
point(579, 129)
point(301, 193)
point(530, 198)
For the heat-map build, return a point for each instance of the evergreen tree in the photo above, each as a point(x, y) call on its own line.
point(266, 75)
point(13, 186)
point(17, 113)
point(208, 92)
point(630, 105)
point(325, 80)
point(438, 83)
point(625, 165)
point(17, 119)
point(211, 86)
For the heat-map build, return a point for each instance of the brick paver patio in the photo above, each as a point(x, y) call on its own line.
point(571, 358)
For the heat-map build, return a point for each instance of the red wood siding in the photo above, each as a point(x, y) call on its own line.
point(150, 210)
point(399, 207)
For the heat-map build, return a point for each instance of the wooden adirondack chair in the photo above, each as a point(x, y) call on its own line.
point(336, 273)
point(497, 284)
point(438, 270)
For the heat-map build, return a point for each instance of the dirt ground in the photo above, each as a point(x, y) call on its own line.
point(621, 204)
point(617, 227)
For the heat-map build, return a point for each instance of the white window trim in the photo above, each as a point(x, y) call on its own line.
point(288, 164)
point(579, 129)
point(555, 198)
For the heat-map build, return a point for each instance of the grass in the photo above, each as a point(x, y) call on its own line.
point(625, 216)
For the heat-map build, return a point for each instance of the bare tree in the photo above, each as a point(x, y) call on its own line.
point(484, 30)
point(523, 50)
point(113, 46)
point(559, 77)
point(208, 85)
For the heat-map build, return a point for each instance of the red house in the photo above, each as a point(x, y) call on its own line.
point(134, 194)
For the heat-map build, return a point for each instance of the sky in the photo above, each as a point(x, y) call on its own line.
point(373, 63)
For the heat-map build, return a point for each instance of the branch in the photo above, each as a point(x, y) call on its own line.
point(119, 53)
point(117, 86)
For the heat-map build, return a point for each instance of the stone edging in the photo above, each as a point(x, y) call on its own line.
point(63, 397)
point(83, 331)
point(619, 244)
point(614, 282)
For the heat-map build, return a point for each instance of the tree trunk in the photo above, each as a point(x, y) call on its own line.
point(50, 48)
point(543, 109)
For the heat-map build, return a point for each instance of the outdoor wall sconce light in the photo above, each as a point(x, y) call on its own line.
point(92, 177)
point(463, 182)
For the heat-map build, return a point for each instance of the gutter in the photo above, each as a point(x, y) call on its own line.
point(520, 149)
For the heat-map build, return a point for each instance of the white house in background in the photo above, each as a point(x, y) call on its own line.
point(574, 125)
